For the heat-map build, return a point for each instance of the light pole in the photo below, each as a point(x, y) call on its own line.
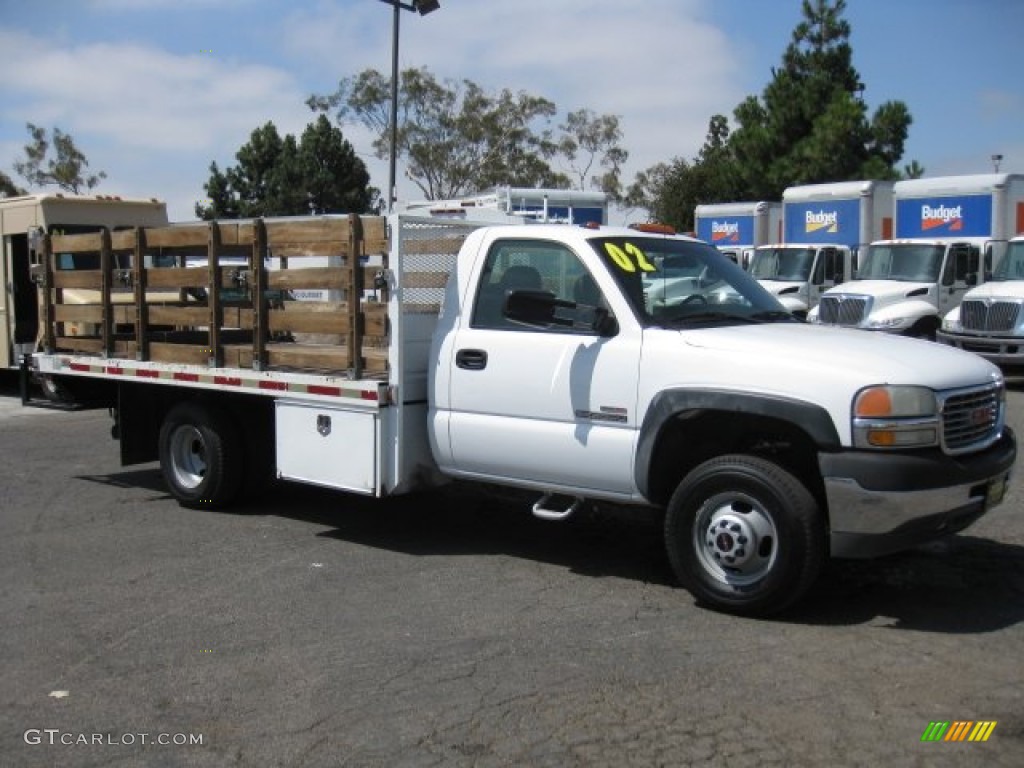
point(996, 160)
point(423, 7)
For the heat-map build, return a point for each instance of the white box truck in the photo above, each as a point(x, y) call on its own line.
point(990, 320)
point(823, 228)
point(736, 229)
point(949, 231)
point(531, 357)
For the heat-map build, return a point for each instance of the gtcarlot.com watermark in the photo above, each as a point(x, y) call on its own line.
point(55, 736)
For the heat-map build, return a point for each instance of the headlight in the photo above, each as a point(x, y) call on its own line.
point(887, 323)
point(895, 417)
point(951, 324)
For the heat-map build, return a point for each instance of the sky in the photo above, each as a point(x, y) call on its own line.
point(153, 91)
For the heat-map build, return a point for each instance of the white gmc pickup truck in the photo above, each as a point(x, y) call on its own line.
point(579, 365)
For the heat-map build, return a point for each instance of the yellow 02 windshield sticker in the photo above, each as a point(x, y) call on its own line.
point(629, 257)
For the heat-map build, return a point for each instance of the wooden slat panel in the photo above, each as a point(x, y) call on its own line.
point(312, 248)
point(78, 313)
point(162, 352)
point(87, 241)
point(285, 231)
point(122, 348)
point(123, 240)
point(190, 235)
point(308, 356)
point(310, 277)
point(375, 234)
point(197, 315)
point(80, 343)
point(307, 321)
point(79, 278)
point(175, 277)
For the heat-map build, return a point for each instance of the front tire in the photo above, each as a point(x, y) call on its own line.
point(200, 456)
point(744, 535)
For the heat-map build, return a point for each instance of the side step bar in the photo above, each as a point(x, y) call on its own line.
point(544, 511)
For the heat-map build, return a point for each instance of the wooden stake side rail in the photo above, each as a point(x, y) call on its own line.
point(215, 294)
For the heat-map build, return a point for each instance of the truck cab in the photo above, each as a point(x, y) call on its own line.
point(799, 274)
point(904, 286)
point(989, 320)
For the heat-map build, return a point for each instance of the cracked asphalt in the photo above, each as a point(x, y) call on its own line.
point(317, 629)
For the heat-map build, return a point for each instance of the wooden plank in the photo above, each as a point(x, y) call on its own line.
point(92, 313)
point(49, 325)
point(185, 316)
point(375, 234)
point(331, 358)
point(124, 348)
point(140, 277)
point(311, 248)
point(106, 265)
point(80, 243)
point(306, 321)
point(311, 277)
point(178, 236)
point(123, 240)
point(78, 313)
point(79, 278)
point(286, 231)
point(177, 277)
point(259, 284)
point(164, 352)
point(215, 277)
point(355, 325)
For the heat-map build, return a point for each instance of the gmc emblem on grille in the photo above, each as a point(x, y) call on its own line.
point(979, 416)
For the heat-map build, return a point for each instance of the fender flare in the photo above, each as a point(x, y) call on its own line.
point(665, 406)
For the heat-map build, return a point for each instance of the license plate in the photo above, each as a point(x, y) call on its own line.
point(995, 491)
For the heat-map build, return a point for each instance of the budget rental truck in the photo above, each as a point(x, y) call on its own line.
point(949, 232)
point(53, 213)
point(989, 320)
point(823, 228)
point(737, 228)
point(530, 357)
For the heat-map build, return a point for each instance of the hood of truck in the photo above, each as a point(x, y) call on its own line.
point(782, 287)
point(823, 365)
point(1011, 290)
point(883, 291)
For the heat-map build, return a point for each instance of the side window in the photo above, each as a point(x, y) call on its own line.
point(528, 264)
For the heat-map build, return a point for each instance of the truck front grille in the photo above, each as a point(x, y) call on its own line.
point(976, 315)
point(971, 419)
point(841, 310)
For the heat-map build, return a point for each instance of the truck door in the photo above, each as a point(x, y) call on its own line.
point(959, 274)
point(548, 406)
point(827, 272)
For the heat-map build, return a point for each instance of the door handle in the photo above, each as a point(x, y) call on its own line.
point(471, 359)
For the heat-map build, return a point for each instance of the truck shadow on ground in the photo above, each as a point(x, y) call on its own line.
point(960, 585)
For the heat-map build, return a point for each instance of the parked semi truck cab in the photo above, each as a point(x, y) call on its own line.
point(989, 320)
point(574, 365)
point(949, 232)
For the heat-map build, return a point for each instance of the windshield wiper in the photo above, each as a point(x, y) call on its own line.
point(711, 316)
point(773, 315)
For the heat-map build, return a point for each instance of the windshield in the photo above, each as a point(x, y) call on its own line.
point(674, 282)
point(1011, 266)
point(901, 261)
point(790, 264)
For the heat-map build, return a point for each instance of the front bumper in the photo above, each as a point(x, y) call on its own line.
point(886, 502)
point(1006, 351)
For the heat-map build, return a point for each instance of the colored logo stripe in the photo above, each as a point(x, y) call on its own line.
point(958, 730)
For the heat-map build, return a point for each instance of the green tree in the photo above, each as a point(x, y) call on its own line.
point(8, 188)
point(809, 126)
point(589, 139)
point(65, 168)
point(671, 191)
point(456, 138)
point(277, 176)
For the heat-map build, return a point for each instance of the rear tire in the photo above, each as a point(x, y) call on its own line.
point(200, 456)
point(744, 535)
